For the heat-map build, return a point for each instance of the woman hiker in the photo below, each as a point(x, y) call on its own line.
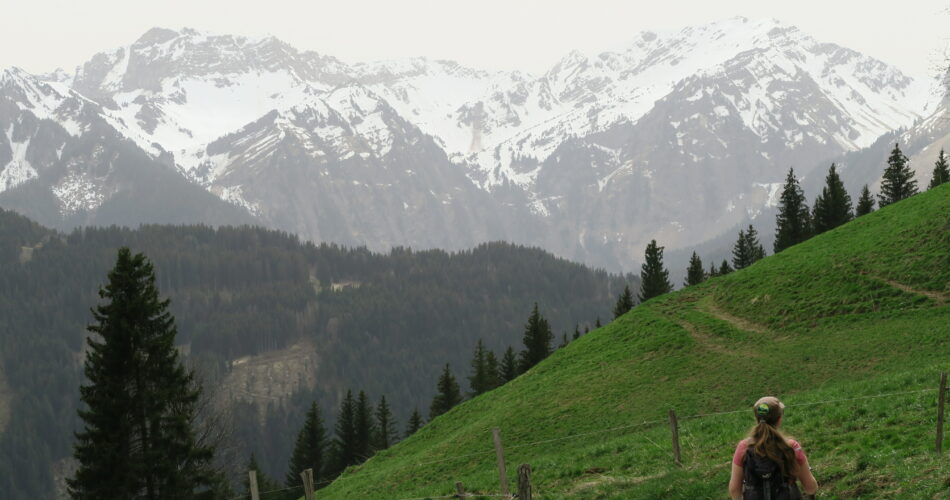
point(767, 464)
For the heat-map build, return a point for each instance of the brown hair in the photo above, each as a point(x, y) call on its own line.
point(767, 441)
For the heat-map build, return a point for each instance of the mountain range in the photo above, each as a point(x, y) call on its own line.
point(679, 136)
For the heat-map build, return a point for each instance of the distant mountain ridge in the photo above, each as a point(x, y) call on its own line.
point(677, 136)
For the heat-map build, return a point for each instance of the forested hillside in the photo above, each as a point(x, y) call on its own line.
point(270, 324)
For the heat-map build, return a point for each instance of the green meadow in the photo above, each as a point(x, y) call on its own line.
point(851, 329)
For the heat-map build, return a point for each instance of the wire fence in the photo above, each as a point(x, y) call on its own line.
point(344, 477)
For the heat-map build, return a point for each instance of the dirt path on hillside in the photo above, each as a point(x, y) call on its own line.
point(711, 343)
point(940, 298)
point(709, 307)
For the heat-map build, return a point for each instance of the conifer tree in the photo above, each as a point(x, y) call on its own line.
point(713, 271)
point(537, 340)
point(264, 482)
point(564, 341)
point(479, 381)
point(865, 203)
point(898, 182)
point(364, 428)
point(747, 250)
point(344, 443)
point(695, 273)
point(833, 205)
point(577, 332)
point(586, 330)
point(415, 423)
point(597, 323)
point(941, 171)
point(741, 253)
point(449, 394)
point(140, 401)
point(792, 224)
point(491, 369)
point(624, 303)
point(509, 366)
point(309, 449)
point(386, 434)
point(724, 269)
point(654, 278)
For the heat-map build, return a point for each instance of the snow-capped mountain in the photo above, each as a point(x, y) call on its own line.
point(677, 136)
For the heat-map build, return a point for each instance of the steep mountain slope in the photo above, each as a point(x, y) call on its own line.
point(66, 163)
point(862, 310)
point(270, 323)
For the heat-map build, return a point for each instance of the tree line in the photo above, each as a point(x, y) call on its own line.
point(795, 223)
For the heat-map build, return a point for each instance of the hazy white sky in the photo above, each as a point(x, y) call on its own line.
point(40, 35)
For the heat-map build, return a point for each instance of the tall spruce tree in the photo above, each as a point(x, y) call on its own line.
point(741, 253)
point(898, 182)
point(537, 340)
point(577, 332)
point(492, 369)
point(344, 443)
point(309, 449)
point(624, 302)
point(449, 394)
point(747, 249)
point(865, 203)
point(792, 224)
point(386, 434)
point(695, 273)
point(140, 401)
point(941, 173)
point(564, 341)
point(724, 268)
point(654, 278)
point(415, 423)
point(364, 428)
point(508, 370)
point(480, 380)
point(833, 205)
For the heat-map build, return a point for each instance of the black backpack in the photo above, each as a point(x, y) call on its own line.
point(762, 479)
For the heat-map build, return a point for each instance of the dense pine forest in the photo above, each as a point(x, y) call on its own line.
point(270, 324)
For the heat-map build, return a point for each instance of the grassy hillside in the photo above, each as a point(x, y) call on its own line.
point(860, 311)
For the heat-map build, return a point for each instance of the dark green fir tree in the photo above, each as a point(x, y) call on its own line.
point(386, 434)
point(833, 205)
point(747, 249)
point(449, 394)
point(597, 323)
point(508, 370)
point(624, 302)
point(654, 278)
point(415, 423)
point(309, 449)
point(865, 203)
point(138, 439)
point(564, 341)
point(724, 268)
point(344, 443)
point(695, 273)
point(941, 173)
point(537, 340)
point(480, 380)
point(364, 428)
point(577, 332)
point(491, 366)
point(898, 182)
point(713, 271)
point(792, 224)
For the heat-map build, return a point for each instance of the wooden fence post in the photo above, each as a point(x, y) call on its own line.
point(524, 482)
point(459, 490)
point(941, 403)
point(307, 477)
point(500, 453)
point(675, 429)
point(252, 484)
